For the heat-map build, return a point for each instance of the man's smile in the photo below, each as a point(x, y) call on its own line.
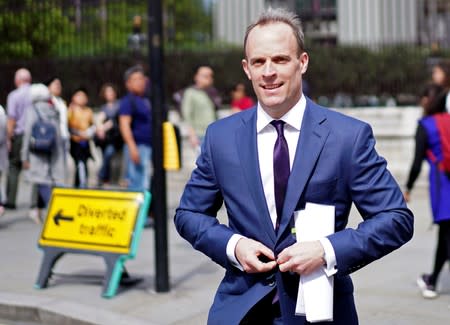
point(272, 86)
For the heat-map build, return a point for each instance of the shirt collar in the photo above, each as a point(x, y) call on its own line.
point(293, 117)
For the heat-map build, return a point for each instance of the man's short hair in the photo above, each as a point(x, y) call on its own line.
point(132, 70)
point(279, 15)
point(23, 75)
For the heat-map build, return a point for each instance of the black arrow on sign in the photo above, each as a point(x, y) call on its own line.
point(58, 216)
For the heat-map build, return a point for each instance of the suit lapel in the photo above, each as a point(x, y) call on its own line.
point(313, 135)
point(248, 152)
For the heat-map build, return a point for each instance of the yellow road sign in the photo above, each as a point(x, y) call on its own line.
point(94, 220)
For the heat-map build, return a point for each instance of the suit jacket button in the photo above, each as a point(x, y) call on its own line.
point(270, 280)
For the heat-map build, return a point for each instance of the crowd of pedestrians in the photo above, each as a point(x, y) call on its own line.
point(121, 128)
point(119, 132)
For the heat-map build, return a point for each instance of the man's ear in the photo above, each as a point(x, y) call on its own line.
point(245, 67)
point(304, 59)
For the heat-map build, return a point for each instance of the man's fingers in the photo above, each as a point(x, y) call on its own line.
point(302, 258)
point(254, 256)
point(266, 267)
point(266, 253)
point(286, 254)
point(255, 265)
point(288, 264)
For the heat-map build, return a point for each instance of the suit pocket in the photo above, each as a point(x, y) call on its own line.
point(320, 192)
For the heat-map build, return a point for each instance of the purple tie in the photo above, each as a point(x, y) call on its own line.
point(281, 168)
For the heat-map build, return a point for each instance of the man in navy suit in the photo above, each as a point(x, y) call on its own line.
point(332, 161)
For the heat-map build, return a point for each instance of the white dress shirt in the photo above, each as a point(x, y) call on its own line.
point(266, 138)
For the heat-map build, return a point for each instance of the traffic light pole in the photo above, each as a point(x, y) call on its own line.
point(155, 41)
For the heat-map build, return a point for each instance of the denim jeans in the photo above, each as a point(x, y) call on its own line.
point(44, 194)
point(104, 174)
point(138, 175)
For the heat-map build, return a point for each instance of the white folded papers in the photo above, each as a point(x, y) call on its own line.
point(315, 291)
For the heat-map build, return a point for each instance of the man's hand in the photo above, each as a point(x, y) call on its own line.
point(254, 256)
point(100, 133)
point(134, 154)
point(302, 258)
point(406, 196)
point(193, 139)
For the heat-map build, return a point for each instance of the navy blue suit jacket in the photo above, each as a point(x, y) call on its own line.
point(335, 163)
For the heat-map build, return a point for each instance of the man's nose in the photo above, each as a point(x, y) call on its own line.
point(269, 69)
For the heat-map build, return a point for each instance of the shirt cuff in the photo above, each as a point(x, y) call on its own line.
point(330, 257)
point(231, 246)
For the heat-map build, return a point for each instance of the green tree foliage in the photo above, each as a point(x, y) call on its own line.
point(359, 70)
point(188, 23)
point(99, 30)
point(29, 29)
point(51, 28)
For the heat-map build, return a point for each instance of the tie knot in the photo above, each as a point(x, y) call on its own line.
point(279, 125)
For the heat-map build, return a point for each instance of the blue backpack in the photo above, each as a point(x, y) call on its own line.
point(43, 135)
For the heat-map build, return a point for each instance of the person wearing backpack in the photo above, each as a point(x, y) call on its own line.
point(433, 144)
point(42, 154)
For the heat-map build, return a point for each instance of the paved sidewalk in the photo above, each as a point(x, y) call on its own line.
point(385, 290)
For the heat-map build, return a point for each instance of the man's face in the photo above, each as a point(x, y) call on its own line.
point(204, 77)
point(274, 67)
point(136, 83)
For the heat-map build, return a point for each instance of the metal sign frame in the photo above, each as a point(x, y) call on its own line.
point(54, 245)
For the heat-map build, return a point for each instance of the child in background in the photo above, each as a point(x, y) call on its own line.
point(239, 99)
point(82, 129)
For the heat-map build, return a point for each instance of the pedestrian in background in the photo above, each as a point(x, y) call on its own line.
point(43, 169)
point(199, 105)
point(440, 75)
point(135, 121)
point(266, 165)
point(137, 40)
point(55, 87)
point(17, 103)
point(429, 146)
point(3, 153)
point(240, 101)
point(82, 129)
point(107, 134)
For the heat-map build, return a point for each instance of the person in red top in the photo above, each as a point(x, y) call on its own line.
point(239, 99)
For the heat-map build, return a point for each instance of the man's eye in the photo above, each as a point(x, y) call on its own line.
point(280, 60)
point(258, 62)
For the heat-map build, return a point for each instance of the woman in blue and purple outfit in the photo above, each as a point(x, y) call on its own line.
point(429, 146)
